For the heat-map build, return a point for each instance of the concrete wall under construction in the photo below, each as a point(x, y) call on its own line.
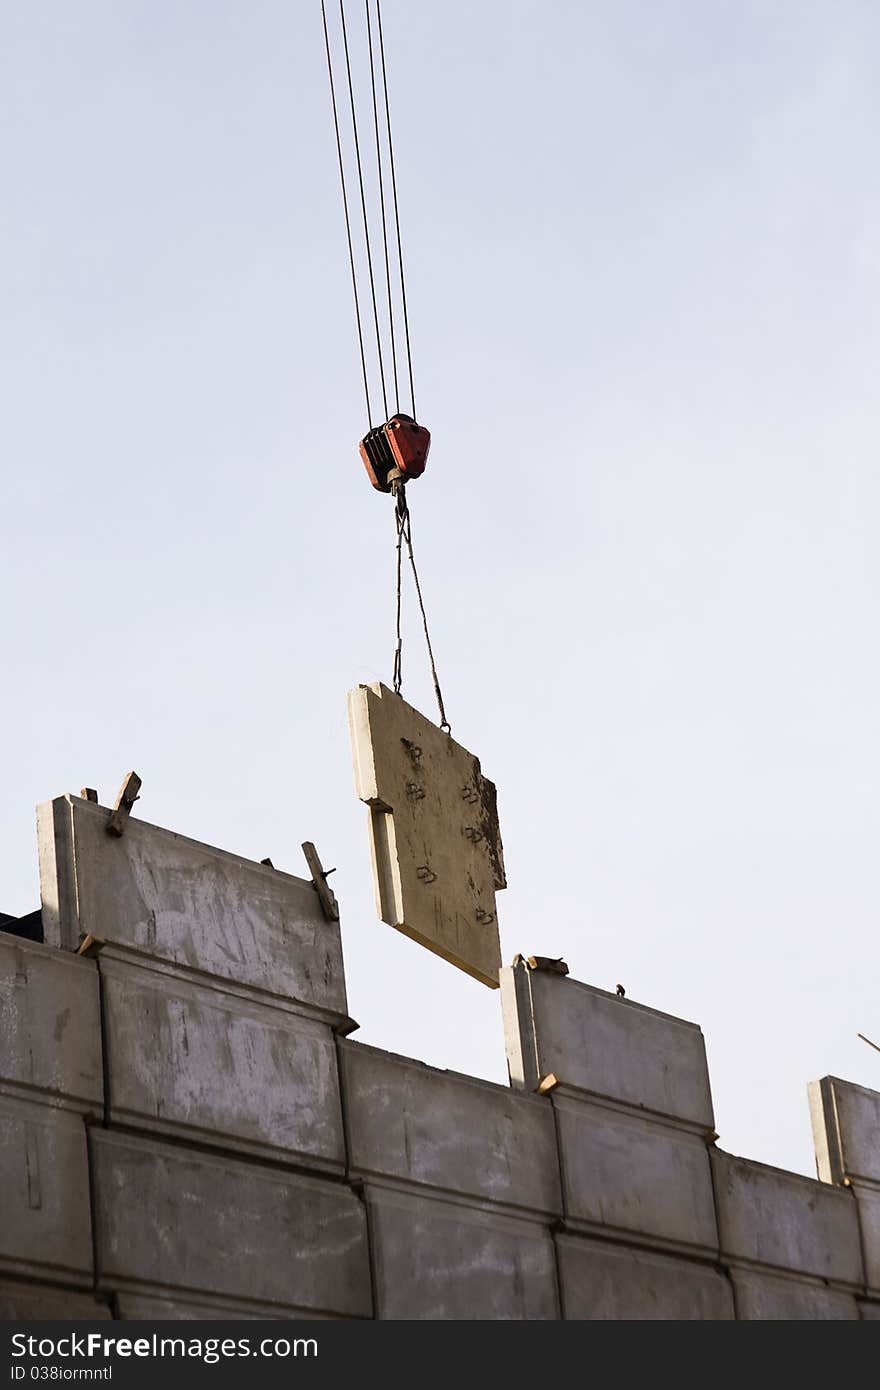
point(187, 1130)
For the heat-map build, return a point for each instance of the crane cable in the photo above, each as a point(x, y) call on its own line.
point(357, 153)
point(382, 206)
point(404, 533)
point(412, 389)
point(401, 511)
point(357, 307)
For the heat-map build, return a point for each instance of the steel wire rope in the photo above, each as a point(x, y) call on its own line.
point(412, 388)
point(404, 534)
point(357, 307)
point(357, 151)
point(398, 649)
point(382, 206)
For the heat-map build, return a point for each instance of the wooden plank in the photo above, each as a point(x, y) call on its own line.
point(319, 879)
point(128, 795)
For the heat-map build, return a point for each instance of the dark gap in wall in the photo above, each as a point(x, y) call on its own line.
point(30, 927)
point(105, 1051)
point(93, 1200)
point(337, 1041)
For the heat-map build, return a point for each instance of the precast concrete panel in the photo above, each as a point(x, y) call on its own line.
point(434, 834)
point(50, 1023)
point(629, 1173)
point(443, 1260)
point(777, 1218)
point(604, 1045)
point(178, 900)
point(447, 1131)
point(211, 1062)
point(202, 1222)
point(601, 1281)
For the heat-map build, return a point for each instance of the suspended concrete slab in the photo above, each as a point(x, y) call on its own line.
point(436, 844)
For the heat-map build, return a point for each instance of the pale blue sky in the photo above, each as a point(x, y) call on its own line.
point(643, 244)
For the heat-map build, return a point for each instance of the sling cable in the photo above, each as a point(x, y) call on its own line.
point(394, 452)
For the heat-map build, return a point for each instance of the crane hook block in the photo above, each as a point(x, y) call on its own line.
point(395, 451)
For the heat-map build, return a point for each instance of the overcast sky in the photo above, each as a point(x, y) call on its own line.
point(643, 246)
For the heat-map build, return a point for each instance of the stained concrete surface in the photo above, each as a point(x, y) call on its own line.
point(178, 900)
point(450, 1132)
point(782, 1219)
point(205, 1061)
point(222, 1226)
point(601, 1281)
point(605, 1045)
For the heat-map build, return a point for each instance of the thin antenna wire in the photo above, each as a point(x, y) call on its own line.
point(412, 388)
point(382, 206)
point(357, 307)
point(357, 150)
point(868, 1041)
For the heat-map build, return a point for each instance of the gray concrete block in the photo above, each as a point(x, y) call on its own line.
point(776, 1218)
point(447, 1131)
point(176, 899)
point(771, 1297)
point(205, 1223)
point(601, 1281)
point(441, 1260)
point(868, 1201)
point(607, 1046)
point(50, 1022)
point(44, 1178)
point(21, 1302)
point(869, 1311)
point(199, 1059)
point(163, 1307)
point(628, 1173)
point(846, 1130)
